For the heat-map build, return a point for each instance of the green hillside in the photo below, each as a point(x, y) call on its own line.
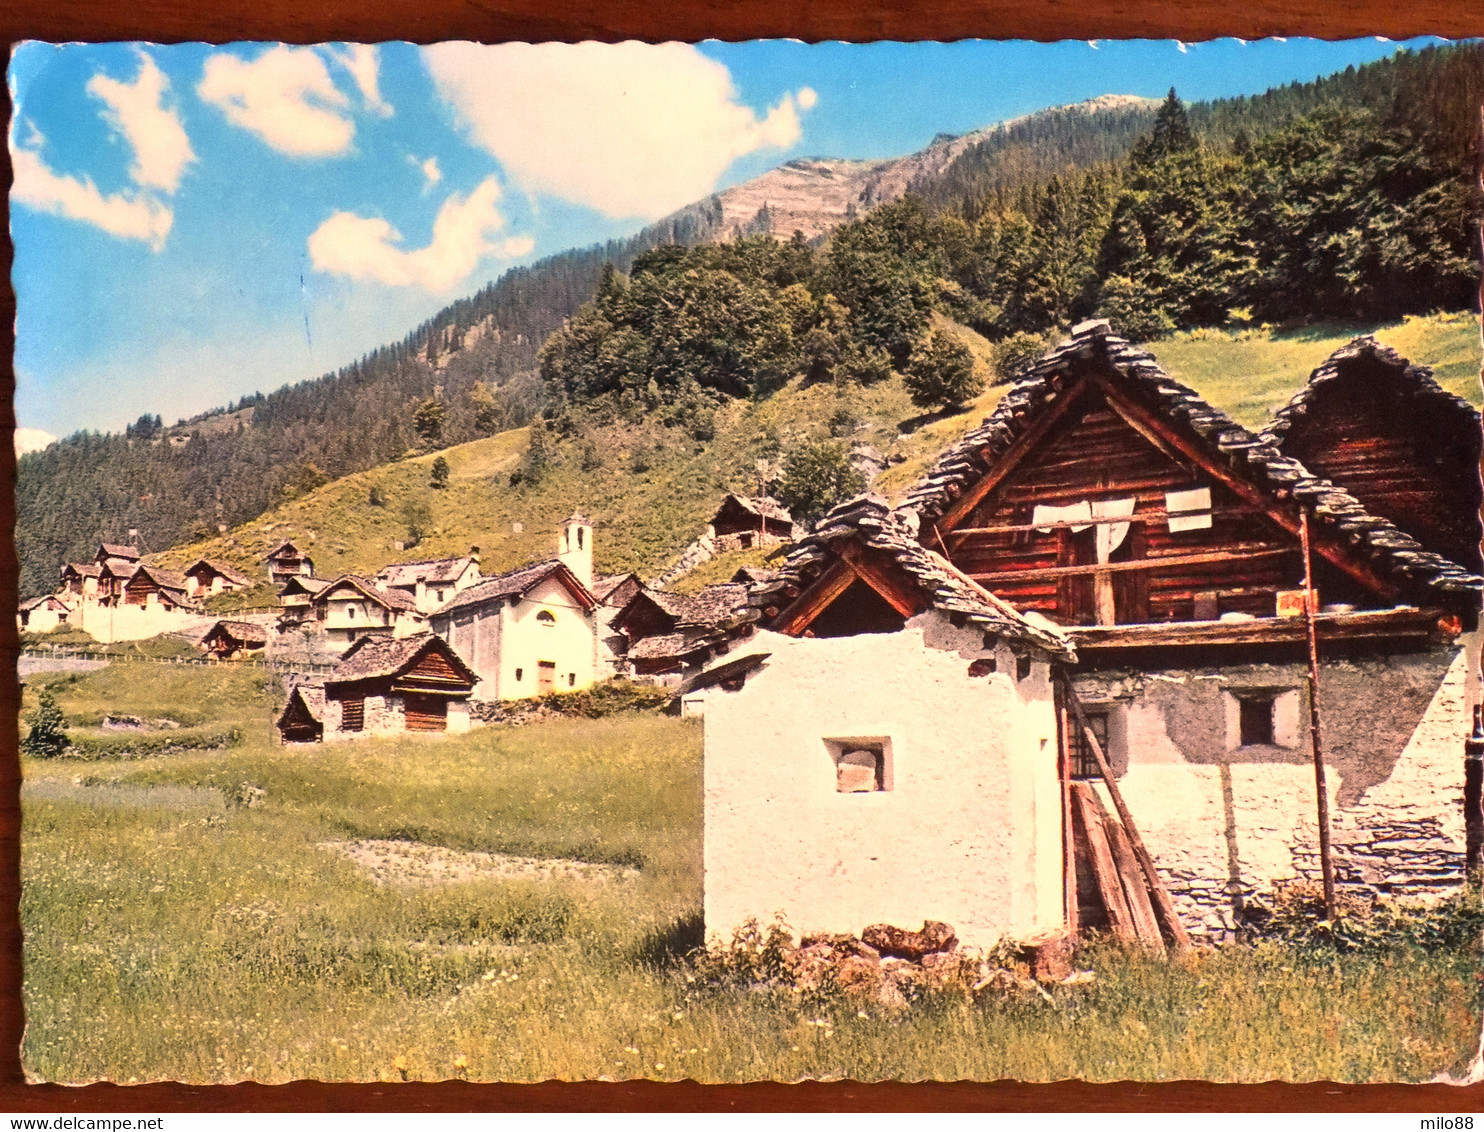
point(650, 489)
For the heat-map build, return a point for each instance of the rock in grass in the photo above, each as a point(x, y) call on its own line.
point(903, 944)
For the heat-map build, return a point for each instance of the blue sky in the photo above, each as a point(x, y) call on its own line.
point(193, 223)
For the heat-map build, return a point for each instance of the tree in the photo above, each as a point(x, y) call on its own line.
point(817, 476)
point(439, 477)
point(428, 420)
point(417, 519)
point(941, 372)
point(489, 415)
point(1172, 133)
point(48, 735)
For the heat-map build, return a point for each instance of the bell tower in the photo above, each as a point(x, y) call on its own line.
point(575, 547)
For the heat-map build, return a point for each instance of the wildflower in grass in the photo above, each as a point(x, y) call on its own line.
point(400, 1065)
point(659, 1064)
point(461, 1065)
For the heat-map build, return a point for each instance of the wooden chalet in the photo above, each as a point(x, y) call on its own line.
point(296, 599)
point(1103, 493)
point(113, 575)
point(206, 576)
point(303, 717)
point(150, 585)
point(1385, 431)
point(385, 685)
point(287, 560)
point(668, 633)
point(741, 522)
point(80, 578)
point(228, 639)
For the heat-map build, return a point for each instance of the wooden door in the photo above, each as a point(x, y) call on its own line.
point(426, 713)
point(545, 676)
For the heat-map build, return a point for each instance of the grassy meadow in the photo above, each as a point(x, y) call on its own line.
point(181, 925)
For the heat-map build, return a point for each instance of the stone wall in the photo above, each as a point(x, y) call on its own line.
point(1226, 821)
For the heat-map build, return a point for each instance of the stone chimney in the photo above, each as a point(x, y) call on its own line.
point(575, 547)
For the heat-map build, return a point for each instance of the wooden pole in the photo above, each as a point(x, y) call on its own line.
point(1321, 789)
point(1068, 839)
point(1164, 907)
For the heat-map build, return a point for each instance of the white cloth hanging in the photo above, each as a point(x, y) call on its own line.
point(1079, 512)
point(1111, 535)
point(1189, 510)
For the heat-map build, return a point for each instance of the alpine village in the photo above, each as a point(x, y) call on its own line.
point(1022, 624)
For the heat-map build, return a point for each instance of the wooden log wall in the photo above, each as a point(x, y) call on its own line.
point(1096, 454)
point(1416, 468)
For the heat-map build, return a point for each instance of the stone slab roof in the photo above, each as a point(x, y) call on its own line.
point(516, 583)
point(870, 521)
point(378, 656)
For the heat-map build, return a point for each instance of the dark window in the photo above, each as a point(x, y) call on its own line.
point(1022, 667)
point(1256, 720)
point(571, 679)
point(546, 617)
point(1084, 763)
point(519, 672)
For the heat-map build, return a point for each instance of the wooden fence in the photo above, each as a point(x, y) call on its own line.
point(273, 663)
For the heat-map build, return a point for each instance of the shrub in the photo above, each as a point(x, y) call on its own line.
point(47, 737)
point(816, 477)
point(1134, 309)
point(1018, 351)
point(438, 478)
point(941, 372)
point(1294, 913)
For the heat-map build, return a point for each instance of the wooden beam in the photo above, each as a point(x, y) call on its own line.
point(1203, 558)
point(1146, 926)
point(1100, 859)
point(1153, 428)
point(1017, 451)
point(816, 597)
point(906, 602)
point(1140, 517)
point(1068, 841)
point(1164, 907)
point(1391, 623)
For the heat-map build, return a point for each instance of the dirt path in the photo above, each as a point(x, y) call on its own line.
point(411, 862)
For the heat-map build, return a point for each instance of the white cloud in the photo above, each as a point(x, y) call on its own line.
point(630, 129)
point(285, 96)
point(130, 216)
point(430, 171)
point(31, 440)
point(363, 63)
point(137, 111)
point(364, 247)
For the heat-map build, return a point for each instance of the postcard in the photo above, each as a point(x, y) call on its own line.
point(750, 561)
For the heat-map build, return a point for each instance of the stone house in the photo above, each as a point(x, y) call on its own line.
point(79, 580)
point(206, 576)
point(351, 608)
point(383, 686)
point(532, 630)
point(887, 750)
point(286, 560)
point(613, 592)
point(431, 582)
point(155, 585)
point(1169, 542)
point(42, 614)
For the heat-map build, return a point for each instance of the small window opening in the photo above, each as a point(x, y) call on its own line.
point(579, 538)
point(519, 673)
point(351, 612)
point(571, 679)
point(861, 765)
point(1022, 667)
point(546, 617)
point(984, 666)
point(1256, 718)
point(1084, 763)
